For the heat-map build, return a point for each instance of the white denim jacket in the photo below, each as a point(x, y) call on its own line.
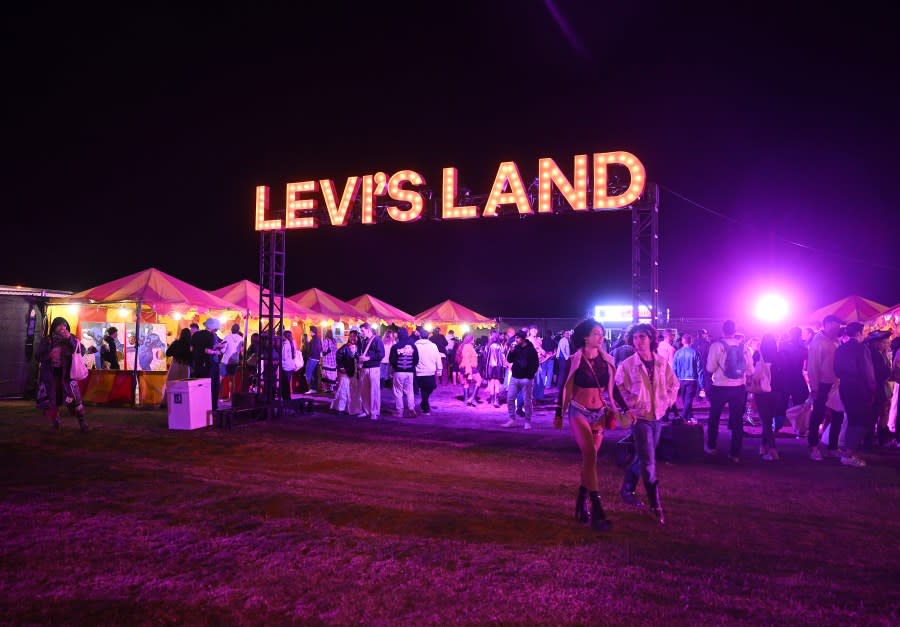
point(633, 382)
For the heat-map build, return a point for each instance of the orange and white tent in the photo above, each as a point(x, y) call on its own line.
point(328, 306)
point(450, 313)
point(849, 309)
point(381, 311)
point(245, 295)
point(154, 289)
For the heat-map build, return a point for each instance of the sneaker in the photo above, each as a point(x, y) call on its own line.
point(768, 457)
point(815, 454)
point(734, 459)
point(763, 450)
point(709, 451)
point(774, 454)
point(520, 413)
point(361, 415)
point(830, 452)
point(510, 423)
point(527, 426)
point(375, 417)
point(856, 462)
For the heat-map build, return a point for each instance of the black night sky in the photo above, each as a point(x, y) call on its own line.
point(135, 137)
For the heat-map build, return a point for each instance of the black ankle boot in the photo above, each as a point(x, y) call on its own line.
point(82, 424)
point(655, 503)
point(628, 495)
point(581, 514)
point(599, 521)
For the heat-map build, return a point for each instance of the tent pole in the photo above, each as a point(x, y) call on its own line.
point(135, 390)
point(244, 384)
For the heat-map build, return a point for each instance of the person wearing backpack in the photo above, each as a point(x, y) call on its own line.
point(729, 362)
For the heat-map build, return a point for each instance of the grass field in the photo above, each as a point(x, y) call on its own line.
point(333, 520)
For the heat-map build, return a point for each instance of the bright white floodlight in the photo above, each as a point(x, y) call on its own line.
point(771, 308)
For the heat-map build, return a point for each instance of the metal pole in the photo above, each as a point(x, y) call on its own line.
point(135, 390)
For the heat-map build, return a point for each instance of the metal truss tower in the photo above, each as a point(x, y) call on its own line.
point(645, 254)
point(271, 314)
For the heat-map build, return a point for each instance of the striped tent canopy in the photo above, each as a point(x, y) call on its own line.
point(155, 289)
point(380, 310)
point(849, 309)
point(327, 305)
point(244, 295)
point(452, 313)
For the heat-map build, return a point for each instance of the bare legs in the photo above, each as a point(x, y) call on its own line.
point(589, 443)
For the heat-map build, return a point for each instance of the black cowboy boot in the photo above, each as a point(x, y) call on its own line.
point(627, 491)
point(581, 514)
point(655, 504)
point(599, 521)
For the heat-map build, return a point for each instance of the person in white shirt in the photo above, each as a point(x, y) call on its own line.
point(428, 369)
point(730, 363)
point(291, 362)
point(666, 349)
point(231, 358)
point(765, 395)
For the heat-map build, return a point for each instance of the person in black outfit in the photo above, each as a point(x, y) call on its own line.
point(523, 358)
point(879, 344)
point(853, 367)
point(206, 351)
point(109, 350)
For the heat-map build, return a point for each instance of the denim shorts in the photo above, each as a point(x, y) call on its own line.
point(597, 418)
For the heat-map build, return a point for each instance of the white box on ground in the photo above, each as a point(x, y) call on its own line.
point(189, 402)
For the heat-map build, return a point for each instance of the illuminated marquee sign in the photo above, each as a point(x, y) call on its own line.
point(302, 202)
point(620, 313)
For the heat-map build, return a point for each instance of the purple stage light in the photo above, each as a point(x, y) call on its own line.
point(771, 308)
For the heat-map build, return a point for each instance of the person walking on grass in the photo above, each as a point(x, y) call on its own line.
point(429, 368)
point(523, 360)
point(649, 387)
point(686, 364)
point(589, 397)
point(766, 393)
point(729, 362)
point(821, 379)
point(404, 357)
point(56, 388)
point(853, 367)
point(370, 356)
point(468, 369)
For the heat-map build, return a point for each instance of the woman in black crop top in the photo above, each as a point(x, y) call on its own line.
point(588, 397)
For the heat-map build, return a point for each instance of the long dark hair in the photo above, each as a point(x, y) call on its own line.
point(768, 348)
point(582, 330)
point(290, 338)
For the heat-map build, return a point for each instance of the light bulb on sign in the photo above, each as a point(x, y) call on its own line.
point(429, 327)
point(465, 328)
point(123, 313)
point(73, 310)
point(176, 315)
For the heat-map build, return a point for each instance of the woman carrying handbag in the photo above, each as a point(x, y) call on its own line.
point(59, 357)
